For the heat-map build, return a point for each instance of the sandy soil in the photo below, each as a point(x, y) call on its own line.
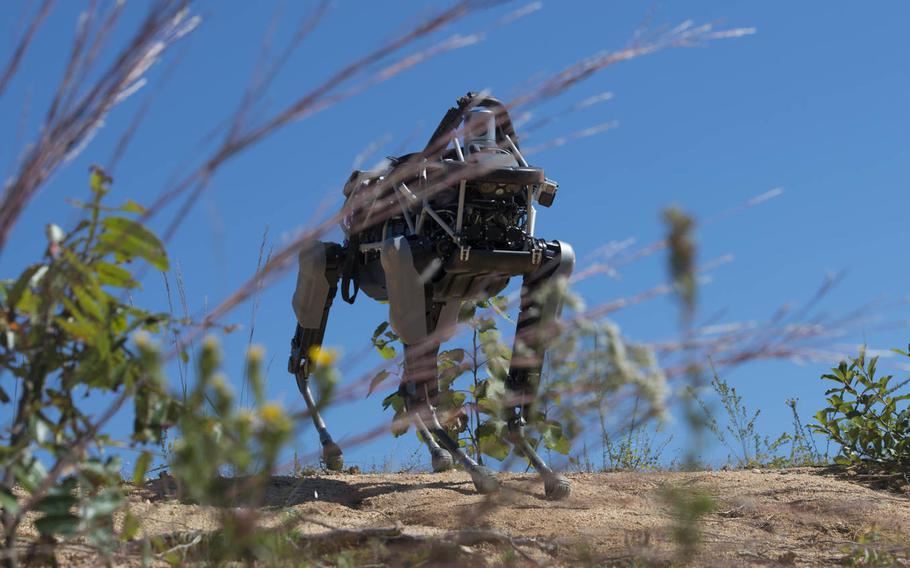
point(760, 517)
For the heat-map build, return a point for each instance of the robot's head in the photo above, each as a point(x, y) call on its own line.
point(481, 145)
point(480, 129)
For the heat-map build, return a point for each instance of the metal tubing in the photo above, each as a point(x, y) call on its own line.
point(536, 461)
point(457, 145)
point(448, 443)
point(318, 422)
point(459, 219)
point(421, 219)
point(408, 193)
point(516, 152)
point(404, 209)
point(445, 226)
point(532, 213)
point(424, 431)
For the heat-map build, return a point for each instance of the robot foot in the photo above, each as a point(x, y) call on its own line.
point(556, 487)
point(485, 481)
point(332, 457)
point(441, 460)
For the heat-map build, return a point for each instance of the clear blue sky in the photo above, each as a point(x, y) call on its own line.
point(815, 102)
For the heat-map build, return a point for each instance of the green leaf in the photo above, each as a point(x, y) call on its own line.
point(30, 473)
point(142, 466)
point(56, 505)
point(103, 505)
point(466, 312)
point(132, 207)
point(400, 424)
point(495, 448)
point(130, 526)
point(554, 438)
point(65, 524)
point(485, 325)
point(395, 401)
point(26, 279)
point(456, 355)
point(490, 441)
point(89, 303)
point(113, 275)
point(379, 329)
point(9, 502)
point(99, 181)
point(377, 380)
point(127, 239)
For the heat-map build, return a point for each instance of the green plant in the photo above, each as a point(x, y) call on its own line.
point(68, 332)
point(869, 551)
point(638, 449)
point(217, 435)
point(867, 416)
point(616, 363)
point(688, 507)
point(449, 361)
point(472, 387)
point(803, 449)
point(740, 434)
point(65, 334)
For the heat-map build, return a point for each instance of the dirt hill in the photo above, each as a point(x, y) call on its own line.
point(759, 517)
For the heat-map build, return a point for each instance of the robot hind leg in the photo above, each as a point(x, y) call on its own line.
point(417, 387)
point(317, 284)
point(540, 307)
point(422, 324)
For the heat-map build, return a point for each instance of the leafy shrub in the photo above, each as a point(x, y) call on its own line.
point(637, 449)
point(866, 416)
point(585, 363)
point(65, 329)
point(740, 434)
point(741, 437)
point(69, 332)
point(471, 384)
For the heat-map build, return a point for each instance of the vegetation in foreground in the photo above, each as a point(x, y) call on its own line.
point(70, 329)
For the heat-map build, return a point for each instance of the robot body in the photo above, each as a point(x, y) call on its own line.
point(426, 232)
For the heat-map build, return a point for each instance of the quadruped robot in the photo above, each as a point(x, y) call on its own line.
point(425, 232)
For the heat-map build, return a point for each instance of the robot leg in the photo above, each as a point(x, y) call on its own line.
point(317, 284)
point(415, 317)
point(539, 309)
point(420, 363)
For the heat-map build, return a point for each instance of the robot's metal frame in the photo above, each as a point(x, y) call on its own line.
point(425, 232)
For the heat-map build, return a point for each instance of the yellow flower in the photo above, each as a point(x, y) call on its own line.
point(323, 356)
point(271, 412)
point(255, 354)
point(142, 339)
point(274, 420)
point(245, 417)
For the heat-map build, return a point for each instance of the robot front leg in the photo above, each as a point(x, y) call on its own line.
point(540, 306)
point(317, 284)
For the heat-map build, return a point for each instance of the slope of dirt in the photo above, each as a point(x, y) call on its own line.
point(760, 517)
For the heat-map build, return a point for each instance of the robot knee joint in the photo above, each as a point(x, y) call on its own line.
point(566, 259)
